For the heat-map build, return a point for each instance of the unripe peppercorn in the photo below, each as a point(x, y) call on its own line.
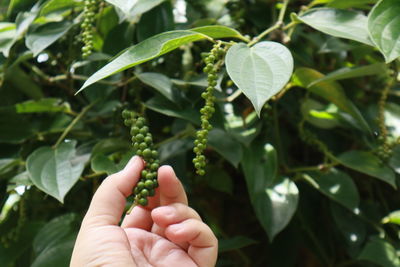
point(211, 59)
point(142, 143)
point(89, 12)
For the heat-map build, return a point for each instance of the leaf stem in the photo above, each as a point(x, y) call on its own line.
point(73, 123)
point(278, 24)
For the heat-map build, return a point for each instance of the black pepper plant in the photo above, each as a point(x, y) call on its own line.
point(280, 117)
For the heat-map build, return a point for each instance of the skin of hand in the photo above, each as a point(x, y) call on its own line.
point(167, 232)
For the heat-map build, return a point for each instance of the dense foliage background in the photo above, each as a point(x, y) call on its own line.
point(312, 180)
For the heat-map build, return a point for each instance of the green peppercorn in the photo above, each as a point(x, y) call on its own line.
point(142, 142)
point(207, 111)
point(89, 12)
point(143, 201)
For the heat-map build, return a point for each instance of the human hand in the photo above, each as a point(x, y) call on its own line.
point(165, 233)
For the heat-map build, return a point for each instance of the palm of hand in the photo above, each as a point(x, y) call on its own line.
point(137, 247)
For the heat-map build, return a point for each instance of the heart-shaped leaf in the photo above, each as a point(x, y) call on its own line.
point(260, 71)
point(339, 23)
point(336, 185)
point(383, 26)
point(55, 170)
point(274, 199)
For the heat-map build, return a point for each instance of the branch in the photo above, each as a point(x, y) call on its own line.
point(278, 24)
point(73, 123)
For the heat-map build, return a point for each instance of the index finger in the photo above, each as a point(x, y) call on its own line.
point(171, 189)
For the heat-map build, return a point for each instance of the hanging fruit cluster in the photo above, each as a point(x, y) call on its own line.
point(211, 69)
point(142, 142)
point(89, 13)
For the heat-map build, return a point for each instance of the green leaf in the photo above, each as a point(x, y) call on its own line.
point(110, 145)
point(219, 180)
point(394, 161)
point(42, 105)
point(383, 26)
point(11, 130)
point(8, 34)
point(219, 31)
point(101, 163)
point(331, 91)
point(339, 23)
point(336, 185)
point(381, 252)
point(58, 255)
point(226, 146)
point(133, 9)
point(40, 37)
point(260, 71)
point(166, 107)
point(274, 200)
point(58, 5)
point(319, 115)
point(56, 230)
point(157, 20)
point(54, 243)
point(21, 245)
point(347, 73)
point(367, 163)
point(148, 49)
point(160, 82)
point(174, 148)
point(353, 229)
point(23, 82)
point(351, 3)
point(393, 217)
point(234, 243)
point(55, 170)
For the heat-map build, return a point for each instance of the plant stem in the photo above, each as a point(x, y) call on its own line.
point(182, 134)
point(278, 24)
point(312, 168)
point(233, 96)
point(73, 123)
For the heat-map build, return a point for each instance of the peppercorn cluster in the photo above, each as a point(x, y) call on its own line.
point(207, 111)
point(142, 142)
point(384, 150)
point(89, 12)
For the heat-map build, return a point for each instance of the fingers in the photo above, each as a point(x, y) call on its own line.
point(139, 217)
point(171, 189)
point(172, 214)
point(203, 247)
point(108, 202)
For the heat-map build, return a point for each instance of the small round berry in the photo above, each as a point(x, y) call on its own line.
point(140, 185)
point(143, 201)
point(147, 153)
point(149, 184)
point(139, 137)
point(144, 192)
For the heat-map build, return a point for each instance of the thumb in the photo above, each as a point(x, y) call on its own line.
point(108, 202)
